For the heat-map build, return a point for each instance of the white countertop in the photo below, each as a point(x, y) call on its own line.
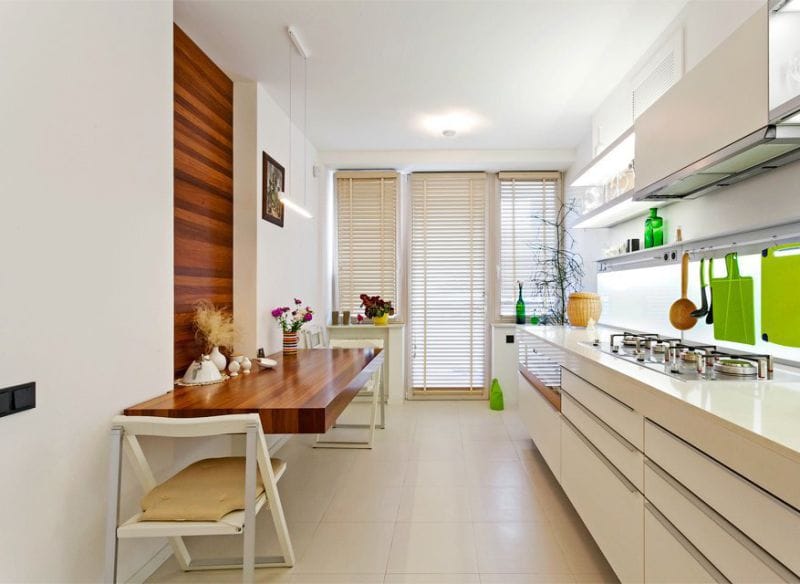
point(768, 411)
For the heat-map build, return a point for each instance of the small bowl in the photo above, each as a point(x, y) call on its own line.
point(266, 363)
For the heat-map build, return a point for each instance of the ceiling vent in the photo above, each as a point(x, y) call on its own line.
point(660, 73)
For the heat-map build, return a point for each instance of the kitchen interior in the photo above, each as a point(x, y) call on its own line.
point(456, 337)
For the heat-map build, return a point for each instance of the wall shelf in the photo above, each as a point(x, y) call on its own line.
point(616, 211)
point(744, 242)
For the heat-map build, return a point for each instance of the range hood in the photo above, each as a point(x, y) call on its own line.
point(770, 147)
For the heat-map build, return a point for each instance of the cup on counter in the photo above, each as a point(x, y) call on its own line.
point(335, 317)
point(345, 317)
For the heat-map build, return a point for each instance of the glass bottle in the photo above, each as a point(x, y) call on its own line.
point(653, 230)
point(520, 306)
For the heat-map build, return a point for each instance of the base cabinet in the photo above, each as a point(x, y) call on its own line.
point(668, 555)
point(608, 503)
point(543, 423)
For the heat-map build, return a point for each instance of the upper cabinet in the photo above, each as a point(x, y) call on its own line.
point(722, 99)
point(784, 58)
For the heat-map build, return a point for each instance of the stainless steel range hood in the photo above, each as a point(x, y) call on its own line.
point(768, 148)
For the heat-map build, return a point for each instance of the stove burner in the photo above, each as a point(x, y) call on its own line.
point(689, 356)
point(659, 348)
point(739, 367)
point(629, 341)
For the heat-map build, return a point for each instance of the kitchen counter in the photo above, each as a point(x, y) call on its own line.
point(766, 414)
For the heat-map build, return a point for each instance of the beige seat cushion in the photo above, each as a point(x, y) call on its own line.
point(206, 490)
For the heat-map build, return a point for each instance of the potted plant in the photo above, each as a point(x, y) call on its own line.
point(214, 329)
point(377, 309)
point(291, 321)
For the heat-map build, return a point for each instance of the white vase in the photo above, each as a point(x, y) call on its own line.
point(218, 358)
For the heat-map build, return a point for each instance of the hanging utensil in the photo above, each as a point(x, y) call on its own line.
point(680, 313)
point(703, 310)
point(710, 315)
point(733, 295)
point(780, 302)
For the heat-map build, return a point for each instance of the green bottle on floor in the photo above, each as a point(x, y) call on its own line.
point(653, 230)
point(496, 396)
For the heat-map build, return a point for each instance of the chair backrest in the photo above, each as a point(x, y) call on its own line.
point(313, 337)
point(232, 424)
point(356, 343)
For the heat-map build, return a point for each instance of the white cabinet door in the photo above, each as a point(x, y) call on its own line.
point(722, 99)
point(784, 62)
point(543, 422)
point(669, 557)
point(608, 503)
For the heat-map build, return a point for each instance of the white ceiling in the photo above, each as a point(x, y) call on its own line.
point(532, 72)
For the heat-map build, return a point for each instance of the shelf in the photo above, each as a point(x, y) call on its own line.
point(744, 242)
point(609, 162)
point(616, 211)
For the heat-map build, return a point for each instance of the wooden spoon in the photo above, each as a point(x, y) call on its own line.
point(680, 313)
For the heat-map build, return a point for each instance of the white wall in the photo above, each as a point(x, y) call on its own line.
point(86, 290)
point(290, 263)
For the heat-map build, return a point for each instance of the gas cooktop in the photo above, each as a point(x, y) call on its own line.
point(692, 361)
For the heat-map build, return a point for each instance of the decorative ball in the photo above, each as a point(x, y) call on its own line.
point(233, 368)
point(246, 365)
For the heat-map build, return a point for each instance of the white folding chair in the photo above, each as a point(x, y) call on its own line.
point(374, 391)
point(313, 337)
point(127, 428)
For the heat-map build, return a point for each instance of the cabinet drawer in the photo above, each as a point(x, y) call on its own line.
point(621, 453)
point(610, 505)
point(736, 557)
point(543, 422)
point(669, 557)
point(620, 416)
point(768, 521)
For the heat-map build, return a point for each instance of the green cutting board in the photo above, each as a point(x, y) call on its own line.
point(734, 318)
point(780, 294)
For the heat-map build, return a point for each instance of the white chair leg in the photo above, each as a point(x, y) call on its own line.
point(373, 421)
point(249, 555)
point(112, 510)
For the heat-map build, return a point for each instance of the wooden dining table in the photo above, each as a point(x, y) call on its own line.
point(303, 394)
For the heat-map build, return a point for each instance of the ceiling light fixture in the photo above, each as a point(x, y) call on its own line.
point(294, 205)
point(450, 123)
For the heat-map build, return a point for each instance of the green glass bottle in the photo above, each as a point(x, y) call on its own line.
point(520, 306)
point(653, 230)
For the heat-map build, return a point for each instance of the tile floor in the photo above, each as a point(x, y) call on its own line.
point(451, 493)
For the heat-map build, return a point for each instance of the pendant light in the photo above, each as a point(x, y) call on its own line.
point(300, 209)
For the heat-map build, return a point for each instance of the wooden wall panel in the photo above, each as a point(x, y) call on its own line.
point(203, 150)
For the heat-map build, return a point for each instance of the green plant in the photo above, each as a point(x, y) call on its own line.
point(558, 269)
point(375, 306)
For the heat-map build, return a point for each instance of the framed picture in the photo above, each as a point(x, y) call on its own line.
point(273, 178)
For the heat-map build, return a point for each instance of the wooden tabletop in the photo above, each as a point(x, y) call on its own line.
point(303, 393)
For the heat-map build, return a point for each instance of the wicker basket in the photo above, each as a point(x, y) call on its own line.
point(583, 306)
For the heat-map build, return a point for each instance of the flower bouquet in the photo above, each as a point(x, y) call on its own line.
point(291, 321)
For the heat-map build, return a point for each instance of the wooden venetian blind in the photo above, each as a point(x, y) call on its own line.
point(528, 208)
point(366, 228)
point(448, 281)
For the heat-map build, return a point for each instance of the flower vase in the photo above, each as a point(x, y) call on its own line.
point(382, 320)
point(290, 342)
point(218, 358)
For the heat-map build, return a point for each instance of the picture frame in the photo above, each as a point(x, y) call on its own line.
point(273, 182)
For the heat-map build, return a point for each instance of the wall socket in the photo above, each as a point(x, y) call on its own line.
point(17, 398)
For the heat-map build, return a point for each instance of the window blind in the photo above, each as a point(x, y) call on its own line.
point(366, 241)
point(528, 208)
point(448, 281)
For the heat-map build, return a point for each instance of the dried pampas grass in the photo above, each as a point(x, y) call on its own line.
point(214, 326)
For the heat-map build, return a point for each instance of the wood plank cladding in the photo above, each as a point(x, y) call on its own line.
point(203, 154)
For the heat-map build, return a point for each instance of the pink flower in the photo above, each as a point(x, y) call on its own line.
point(308, 309)
point(276, 312)
point(360, 318)
point(298, 301)
point(307, 317)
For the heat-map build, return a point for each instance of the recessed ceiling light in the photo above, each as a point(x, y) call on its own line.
point(448, 133)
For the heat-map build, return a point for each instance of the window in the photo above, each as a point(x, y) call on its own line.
point(448, 282)
point(366, 242)
point(529, 203)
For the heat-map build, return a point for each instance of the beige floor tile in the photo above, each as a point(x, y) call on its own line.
point(366, 502)
point(337, 578)
point(388, 450)
point(518, 548)
point(432, 579)
point(169, 571)
point(433, 548)
point(518, 504)
point(374, 472)
point(434, 504)
point(306, 503)
point(497, 473)
point(527, 579)
point(592, 578)
point(433, 449)
point(478, 432)
point(347, 548)
point(490, 450)
point(436, 472)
